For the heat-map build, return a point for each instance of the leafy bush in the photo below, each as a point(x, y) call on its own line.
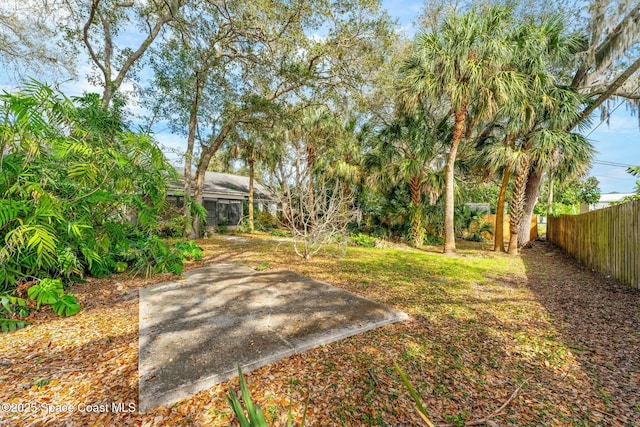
point(149, 255)
point(361, 239)
point(12, 309)
point(47, 291)
point(222, 226)
point(51, 292)
point(477, 233)
point(265, 221)
point(78, 190)
point(430, 239)
point(189, 250)
point(280, 233)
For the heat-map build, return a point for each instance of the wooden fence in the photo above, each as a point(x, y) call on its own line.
point(533, 232)
point(606, 240)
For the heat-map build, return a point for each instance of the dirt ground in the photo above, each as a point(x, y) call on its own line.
point(600, 320)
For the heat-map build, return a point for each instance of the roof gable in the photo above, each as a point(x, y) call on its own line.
point(226, 183)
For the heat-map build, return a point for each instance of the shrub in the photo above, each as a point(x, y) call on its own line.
point(280, 233)
point(361, 239)
point(76, 187)
point(12, 310)
point(265, 221)
point(189, 250)
point(51, 292)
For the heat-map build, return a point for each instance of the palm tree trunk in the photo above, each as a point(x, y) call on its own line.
point(417, 231)
point(449, 207)
point(517, 204)
point(498, 235)
point(530, 199)
point(550, 197)
point(251, 160)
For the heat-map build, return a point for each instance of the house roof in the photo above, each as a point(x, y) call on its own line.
point(613, 197)
point(226, 185)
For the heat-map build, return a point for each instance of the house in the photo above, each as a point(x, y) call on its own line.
point(224, 196)
point(605, 201)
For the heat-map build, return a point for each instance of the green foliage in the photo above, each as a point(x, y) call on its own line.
point(66, 305)
point(14, 308)
point(48, 291)
point(10, 325)
point(265, 221)
point(251, 415)
point(589, 192)
point(422, 411)
point(280, 233)
point(51, 292)
point(222, 227)
point(153, 255)
point(568, 195)
point(254, 416)
point(364, 240)
point(12, 304)
point(189, 250)
point(477, 233)
point(78, 189)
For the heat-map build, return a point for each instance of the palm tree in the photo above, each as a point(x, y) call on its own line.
point(603, 66)
point(541, 47)
point(543, 143)
point(257, 145)
point(315, 131)
point(408, 151)
point(465, 64)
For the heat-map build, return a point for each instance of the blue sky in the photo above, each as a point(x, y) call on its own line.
point(617, 143)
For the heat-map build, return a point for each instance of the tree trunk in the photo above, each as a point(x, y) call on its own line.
point(417, 231)
point(517, 203)
point(530, 199)
point(550, 197)
point(198, 190)
point(498, 232)
point(205, 158)
point(311, 160)
point(449, 207)
point(251, 162)
point(188, 159)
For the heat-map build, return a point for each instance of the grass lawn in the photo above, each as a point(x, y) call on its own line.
point(482, 325)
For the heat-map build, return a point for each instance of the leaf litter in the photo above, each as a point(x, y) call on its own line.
point(482, 327)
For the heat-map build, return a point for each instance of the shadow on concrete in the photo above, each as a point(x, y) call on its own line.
point(195, 332)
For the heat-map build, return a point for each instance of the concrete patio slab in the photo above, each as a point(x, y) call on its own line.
point(196, 331)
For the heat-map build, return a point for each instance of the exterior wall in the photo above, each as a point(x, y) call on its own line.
point(223, 212)
point(219, 211)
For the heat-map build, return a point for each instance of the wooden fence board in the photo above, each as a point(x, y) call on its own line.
point(606, 240)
